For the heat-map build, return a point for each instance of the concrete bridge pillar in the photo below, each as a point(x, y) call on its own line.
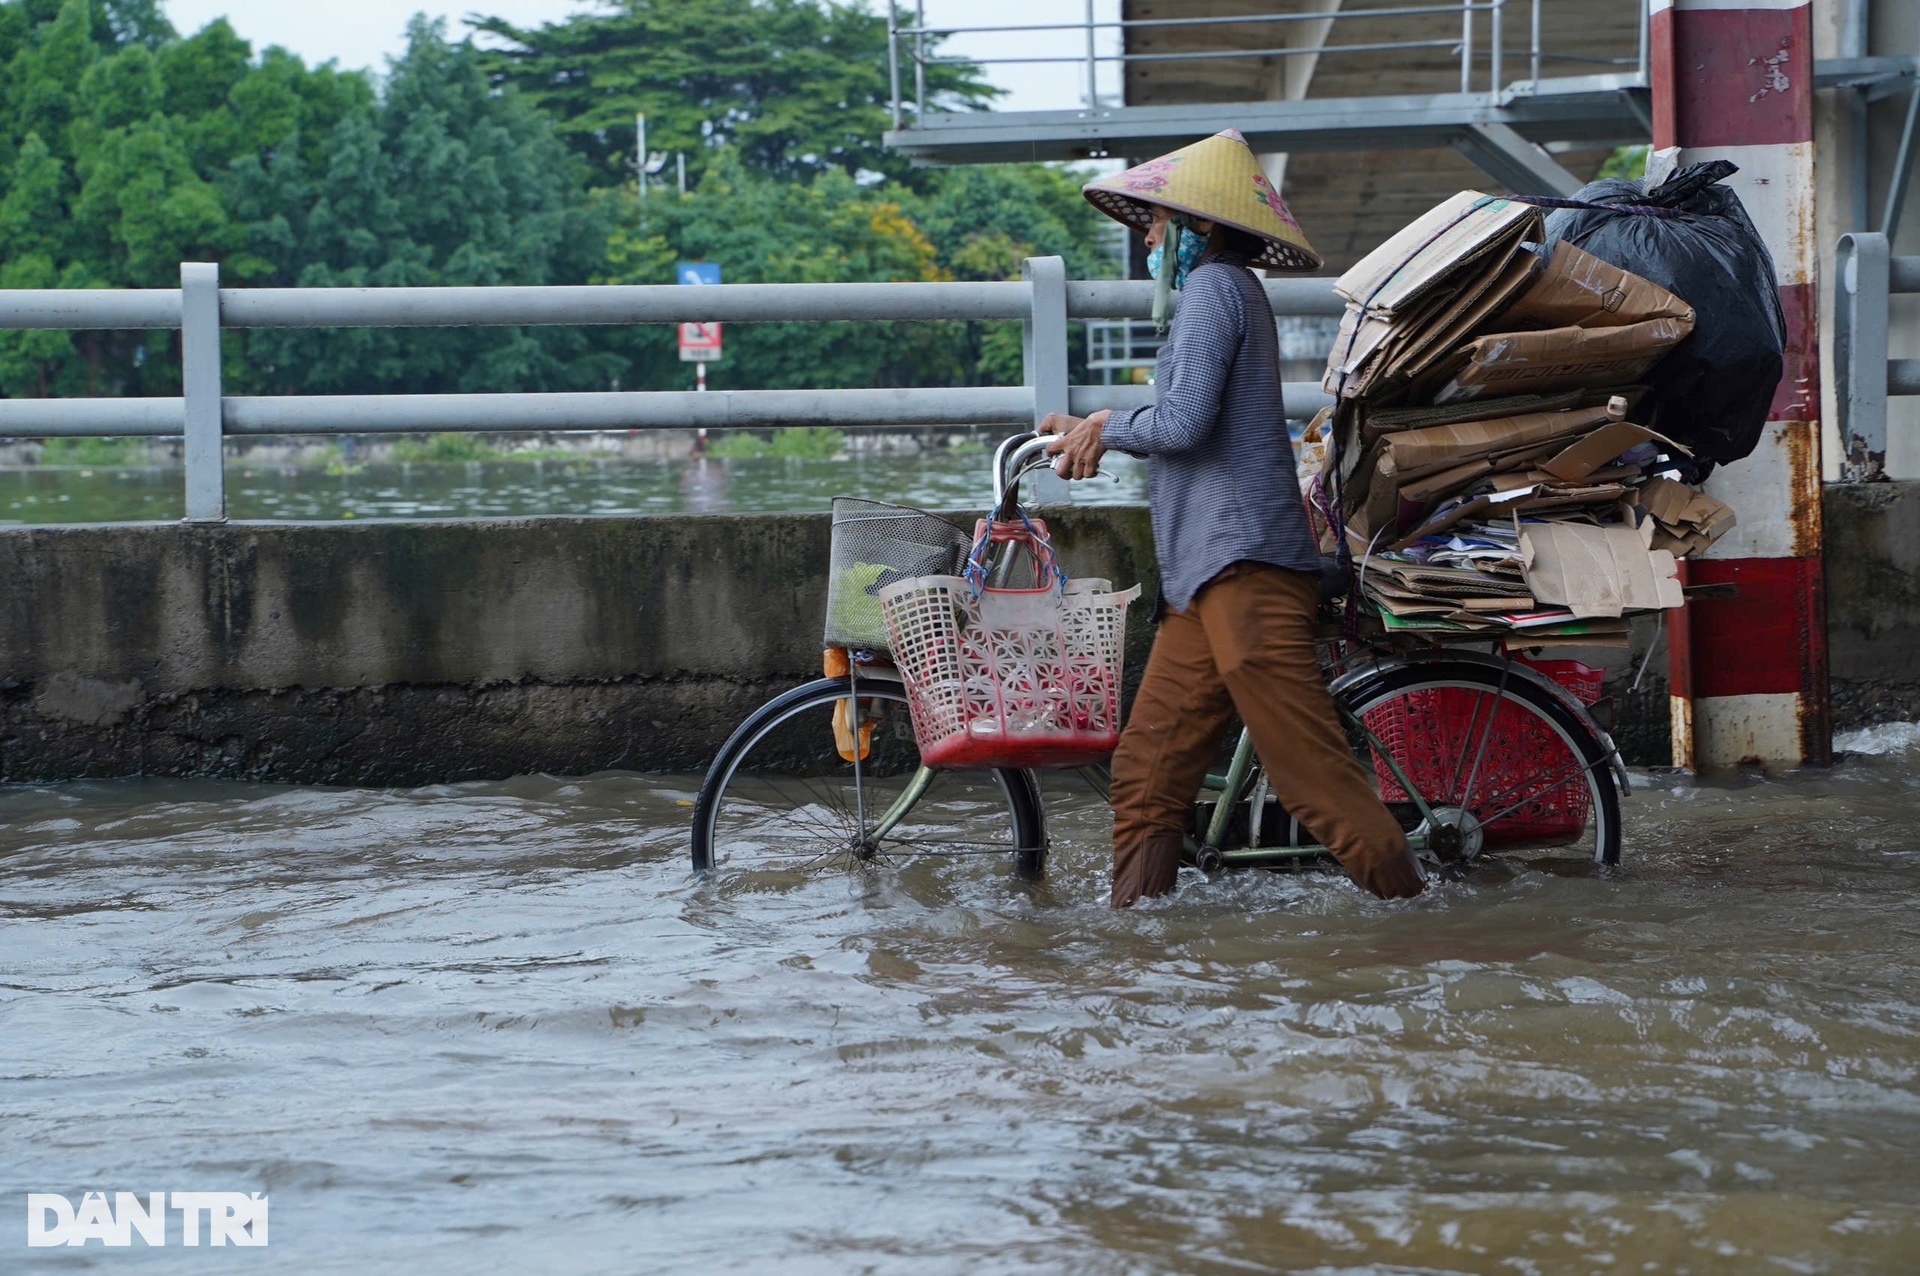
point(1733, 79)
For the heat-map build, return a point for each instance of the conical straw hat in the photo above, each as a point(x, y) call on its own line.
point(1217, 179)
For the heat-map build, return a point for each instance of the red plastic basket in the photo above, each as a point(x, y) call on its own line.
point(1433, 735)
point(1010, 677)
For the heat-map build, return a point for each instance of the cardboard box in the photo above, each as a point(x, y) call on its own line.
point(1478, 305)
point(1377, 422)
point(1578, 290)
point(1686, 519)
point(1582, 321)
point(1412, 453)
point(1597, 450)
point(1598, 571)
point(1457, 232)
point(1560, 359)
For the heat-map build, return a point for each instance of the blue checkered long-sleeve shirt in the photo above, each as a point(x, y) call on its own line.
point(1221, 472)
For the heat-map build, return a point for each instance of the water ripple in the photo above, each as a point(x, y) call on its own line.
point(501, 1027)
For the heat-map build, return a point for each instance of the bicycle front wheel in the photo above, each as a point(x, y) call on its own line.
point(828, 776)
point(1502, 761)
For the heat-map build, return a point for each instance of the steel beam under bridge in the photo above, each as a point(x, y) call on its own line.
point(1605, 110)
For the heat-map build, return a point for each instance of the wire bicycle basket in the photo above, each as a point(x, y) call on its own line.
point(876, 544)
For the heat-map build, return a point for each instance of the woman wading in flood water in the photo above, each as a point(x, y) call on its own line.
point(1239, 570)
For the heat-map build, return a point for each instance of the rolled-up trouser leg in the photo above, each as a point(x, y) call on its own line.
point(1259, 623)
point(1172, 730)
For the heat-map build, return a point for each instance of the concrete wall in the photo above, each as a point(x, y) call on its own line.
point(414, 652)
point(1873, 602)
point(411, 652)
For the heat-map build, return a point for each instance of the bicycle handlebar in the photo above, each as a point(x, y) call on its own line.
point(1011, 462)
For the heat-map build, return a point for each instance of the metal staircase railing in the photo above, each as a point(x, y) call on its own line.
point(1480, 49)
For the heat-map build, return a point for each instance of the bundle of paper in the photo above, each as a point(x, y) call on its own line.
point(1533, 499)
point(1460, 578)
point(1375, 420)
point(1411, 477)
point(1555, 627)
point(1459, 594)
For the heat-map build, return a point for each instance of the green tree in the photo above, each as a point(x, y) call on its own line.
point(765, 230)
point(976, 224)
point(794, 87)
point(127, 150)
point(988, 218)
point(447, 182)
point(116, 142)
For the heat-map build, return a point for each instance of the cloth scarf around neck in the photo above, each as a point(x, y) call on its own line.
point(1170, 272)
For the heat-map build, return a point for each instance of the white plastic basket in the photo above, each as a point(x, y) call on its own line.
point(1010, 677)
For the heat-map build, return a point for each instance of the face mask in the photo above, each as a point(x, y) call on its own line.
point(1193, 247)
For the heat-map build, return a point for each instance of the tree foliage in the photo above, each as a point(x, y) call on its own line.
point(976, 224)
point(127, 148)
point(445, 183)
point(117, 136)
point(793, 87)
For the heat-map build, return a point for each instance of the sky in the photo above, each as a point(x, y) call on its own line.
point(365, 33)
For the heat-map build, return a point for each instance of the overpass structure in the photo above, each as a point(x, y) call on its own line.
point(1366, 112)
point(1362, 109)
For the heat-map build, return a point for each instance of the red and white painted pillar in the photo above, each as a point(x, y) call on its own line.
point(1733, 79)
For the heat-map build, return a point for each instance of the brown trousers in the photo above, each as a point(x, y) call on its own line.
point(1245, 645)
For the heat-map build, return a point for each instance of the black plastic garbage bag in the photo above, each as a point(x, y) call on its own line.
point(1691, 236)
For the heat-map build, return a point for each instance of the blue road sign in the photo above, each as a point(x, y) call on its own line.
point(699, 272)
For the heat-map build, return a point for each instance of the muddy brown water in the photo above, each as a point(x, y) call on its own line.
point(500, 1028)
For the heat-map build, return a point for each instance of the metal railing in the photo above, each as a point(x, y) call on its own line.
point(1121, 345)
point(908, 51)
point(1044, 299)
point(1866, 275)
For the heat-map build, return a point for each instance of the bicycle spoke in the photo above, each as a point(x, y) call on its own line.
point(1531, 786)
point(1460, 761)
point(788, 801)
point(929, 846)
point(808, 811)
point(1534, 795)
point(1486, 738)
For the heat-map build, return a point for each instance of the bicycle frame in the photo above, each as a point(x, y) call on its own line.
point(1234, 787)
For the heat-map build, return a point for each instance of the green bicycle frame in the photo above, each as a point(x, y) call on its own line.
point(1233, 790)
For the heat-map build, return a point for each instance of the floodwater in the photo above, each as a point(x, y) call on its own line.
point(500, 1028)
point(947, 479)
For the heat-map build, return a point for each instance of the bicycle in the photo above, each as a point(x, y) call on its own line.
point(1472, 750)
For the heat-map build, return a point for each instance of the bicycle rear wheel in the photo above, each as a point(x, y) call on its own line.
point(1504, 761)
point(781, 797)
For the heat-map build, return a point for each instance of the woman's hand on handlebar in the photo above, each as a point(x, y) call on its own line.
point(1078, 449)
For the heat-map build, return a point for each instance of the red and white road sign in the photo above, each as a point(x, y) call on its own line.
point(699, 342)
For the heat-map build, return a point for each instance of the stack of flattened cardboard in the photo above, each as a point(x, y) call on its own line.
point(1481, 455)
